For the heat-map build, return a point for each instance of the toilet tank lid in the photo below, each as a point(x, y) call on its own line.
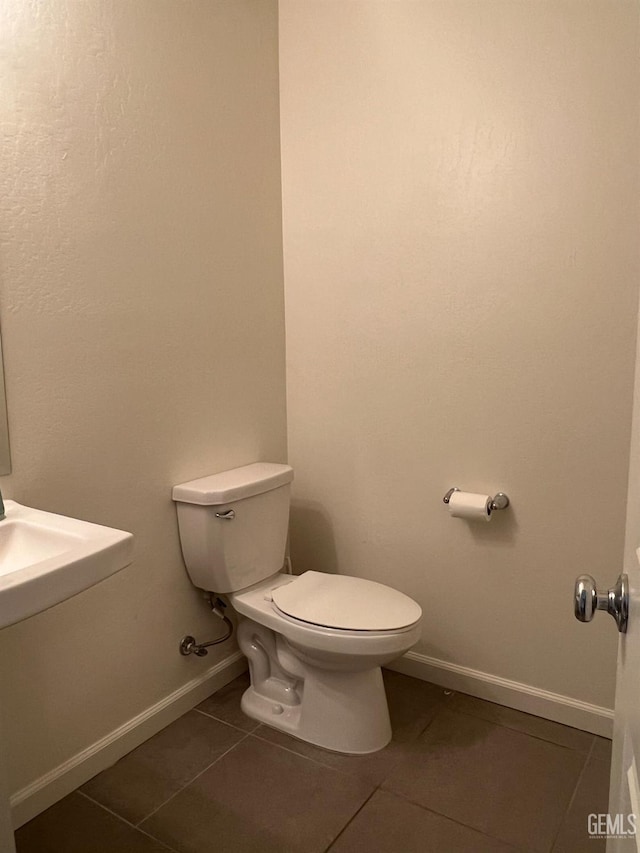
point(234, 485)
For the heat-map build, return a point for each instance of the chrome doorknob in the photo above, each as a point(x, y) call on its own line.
point(615, 601)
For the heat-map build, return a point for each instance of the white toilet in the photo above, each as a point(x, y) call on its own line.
point(315, 642)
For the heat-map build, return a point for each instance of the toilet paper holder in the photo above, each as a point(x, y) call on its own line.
point(499, 501)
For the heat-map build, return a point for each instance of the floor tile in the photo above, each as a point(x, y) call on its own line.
point(527, 723)
point(375, 768)
point(225, 704)
point(591, 797)
point(76, 825)
point(501, 782)
point(260, 798)
point(390, 824)
point(146, 777)
point(412, 704)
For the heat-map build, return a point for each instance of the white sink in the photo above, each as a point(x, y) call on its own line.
point(47, 558)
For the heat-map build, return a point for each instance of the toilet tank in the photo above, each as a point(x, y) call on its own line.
point(233, 525)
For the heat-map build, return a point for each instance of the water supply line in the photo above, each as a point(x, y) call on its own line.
point(188, 644)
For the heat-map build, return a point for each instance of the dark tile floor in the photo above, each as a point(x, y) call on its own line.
point(460, 776)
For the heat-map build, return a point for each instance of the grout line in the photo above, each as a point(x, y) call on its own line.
point(575, 791)
point(219, 720)
point(179, 791)
point(350, 821)
point(123, 819)
point(403, 748)
point(528, 734)
point(440, 709)
point(452, 819)
point(157, 840)
point(316, 761)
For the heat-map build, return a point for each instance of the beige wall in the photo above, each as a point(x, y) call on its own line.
point(459, 191)
point(460, 227)
point(142, 323)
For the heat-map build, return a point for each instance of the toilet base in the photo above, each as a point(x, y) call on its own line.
point(343, 712)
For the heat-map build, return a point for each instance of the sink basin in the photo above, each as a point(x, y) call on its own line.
point(47, 558)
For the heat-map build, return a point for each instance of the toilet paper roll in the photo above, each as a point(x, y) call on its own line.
point(470, 505)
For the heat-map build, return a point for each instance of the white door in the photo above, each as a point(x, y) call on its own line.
point(624, 795)
point(624, 792)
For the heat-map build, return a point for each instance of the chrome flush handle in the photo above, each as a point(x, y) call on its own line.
point(227, 515)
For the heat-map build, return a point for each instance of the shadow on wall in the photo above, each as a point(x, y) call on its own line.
point(311, 540)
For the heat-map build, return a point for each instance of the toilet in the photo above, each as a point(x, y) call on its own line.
point(315, 642)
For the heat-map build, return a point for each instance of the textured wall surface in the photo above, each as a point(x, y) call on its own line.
point(460, 228)
point(142, 323)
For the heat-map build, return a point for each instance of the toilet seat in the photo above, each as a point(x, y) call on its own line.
point(256, 603)
point(345, 603)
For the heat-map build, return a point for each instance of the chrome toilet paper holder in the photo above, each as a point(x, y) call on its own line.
point(499, 501)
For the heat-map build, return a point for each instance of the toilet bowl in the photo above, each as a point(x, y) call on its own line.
point(318, 682)
point(314, 642)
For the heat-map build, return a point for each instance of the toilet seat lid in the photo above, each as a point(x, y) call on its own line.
point(339, 601)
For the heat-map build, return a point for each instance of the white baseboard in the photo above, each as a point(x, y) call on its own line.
point(62, 780)
point(513, 694)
